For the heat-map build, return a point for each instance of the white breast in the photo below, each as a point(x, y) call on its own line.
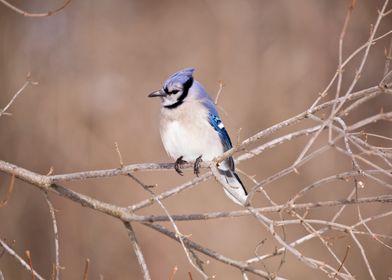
point(186, 131)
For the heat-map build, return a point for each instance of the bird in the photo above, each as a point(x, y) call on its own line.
point(192, 131)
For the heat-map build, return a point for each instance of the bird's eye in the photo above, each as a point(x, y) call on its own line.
point(174, 91)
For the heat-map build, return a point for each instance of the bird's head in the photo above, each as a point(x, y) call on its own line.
point(175, 89)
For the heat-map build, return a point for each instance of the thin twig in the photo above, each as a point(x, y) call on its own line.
point(343, 260)
point(174, 271)
point(28, 14)
point(364, 257)
point(28, 255)
point(56, 237)
point(86, 267)
point(340, 68)
point(221, 85)
point(138, 251)
point(388, 58)
point(27, 82)
point(9, 191)
point(119, 155)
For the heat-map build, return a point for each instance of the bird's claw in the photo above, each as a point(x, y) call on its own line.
point(177, 165)
point(196, 166)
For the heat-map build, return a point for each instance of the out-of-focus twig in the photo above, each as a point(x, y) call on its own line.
point(29, 14)
point(86, 267)
point(174, 271)
point(9, 191)
point(28, 254)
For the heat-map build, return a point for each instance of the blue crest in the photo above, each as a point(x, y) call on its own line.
point(181, 77)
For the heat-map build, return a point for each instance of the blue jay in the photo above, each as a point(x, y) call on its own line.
point(191, 129)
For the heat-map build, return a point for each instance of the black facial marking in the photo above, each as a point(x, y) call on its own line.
point(174, 91)
point(180, 100)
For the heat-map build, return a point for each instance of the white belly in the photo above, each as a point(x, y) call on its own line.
point(190, 139)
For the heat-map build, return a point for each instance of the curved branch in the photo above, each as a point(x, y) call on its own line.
point(28, 14)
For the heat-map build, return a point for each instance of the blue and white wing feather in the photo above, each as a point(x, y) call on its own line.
point(237, 191)
point(217, 124)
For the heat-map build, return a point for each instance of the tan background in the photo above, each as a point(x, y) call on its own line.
point(96, 62)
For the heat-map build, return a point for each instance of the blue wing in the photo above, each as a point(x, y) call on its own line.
point(217, 124)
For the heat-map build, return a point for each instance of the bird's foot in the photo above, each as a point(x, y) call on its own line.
point(196, 166)
point(178, 163)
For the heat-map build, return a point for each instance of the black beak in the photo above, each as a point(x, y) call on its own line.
point(160, 93)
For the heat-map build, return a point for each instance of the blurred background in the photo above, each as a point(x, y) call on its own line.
point(96, 62)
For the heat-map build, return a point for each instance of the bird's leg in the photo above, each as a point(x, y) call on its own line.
point(178, 163)
point(196, 166)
